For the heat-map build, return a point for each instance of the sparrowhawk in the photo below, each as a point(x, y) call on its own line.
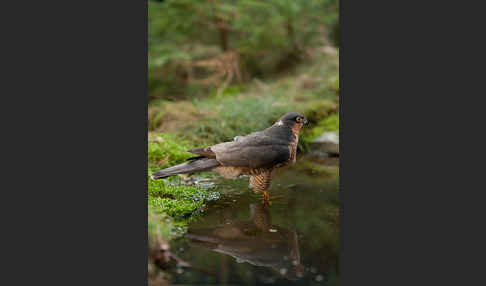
point(256, 154)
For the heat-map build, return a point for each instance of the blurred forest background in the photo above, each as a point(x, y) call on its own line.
point(222, 68)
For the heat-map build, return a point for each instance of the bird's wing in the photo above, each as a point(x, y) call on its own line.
point(252, 151)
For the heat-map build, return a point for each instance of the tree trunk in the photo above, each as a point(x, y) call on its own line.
point(223, 38)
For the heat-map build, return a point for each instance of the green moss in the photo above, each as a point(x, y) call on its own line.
point(177, 200)
point(318, 110)
point(171, 204)
point(330, 123)
point(165, 150)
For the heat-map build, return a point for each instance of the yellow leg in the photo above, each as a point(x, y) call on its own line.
point(266, 199)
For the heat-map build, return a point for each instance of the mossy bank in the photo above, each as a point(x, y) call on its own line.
point(171, 204)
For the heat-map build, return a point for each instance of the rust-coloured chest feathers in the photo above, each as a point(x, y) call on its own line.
point(293, 144)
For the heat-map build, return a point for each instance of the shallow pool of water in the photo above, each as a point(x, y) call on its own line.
point(294, 241)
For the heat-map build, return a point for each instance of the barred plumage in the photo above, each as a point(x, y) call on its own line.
point(261, 182)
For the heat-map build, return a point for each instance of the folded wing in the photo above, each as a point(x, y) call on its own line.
point(252, 152)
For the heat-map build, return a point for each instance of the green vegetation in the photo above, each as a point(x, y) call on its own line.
point(165, 150)
point(327, 124)
point(223, 68)
point(195, 46)
point(178, 201)
point(171, 204)
point(243, 109)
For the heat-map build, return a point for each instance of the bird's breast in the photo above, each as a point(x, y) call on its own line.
point(293, 150)
point(293, 144)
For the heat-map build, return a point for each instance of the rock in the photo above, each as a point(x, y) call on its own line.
point(328, 142)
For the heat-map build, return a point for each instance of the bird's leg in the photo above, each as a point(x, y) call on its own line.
point(266, 199)
point(261, 183)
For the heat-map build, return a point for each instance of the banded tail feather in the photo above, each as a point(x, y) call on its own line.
point(197, 164)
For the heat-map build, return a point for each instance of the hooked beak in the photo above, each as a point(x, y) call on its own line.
point(305, 121)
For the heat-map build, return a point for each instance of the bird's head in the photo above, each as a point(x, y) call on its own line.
point(293, 120)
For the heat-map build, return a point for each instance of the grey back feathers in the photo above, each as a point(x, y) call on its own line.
point(253, 151)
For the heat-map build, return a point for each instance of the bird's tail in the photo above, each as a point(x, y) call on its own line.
point(196, 165)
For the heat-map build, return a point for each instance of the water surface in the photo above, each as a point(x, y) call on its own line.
point(238, 241)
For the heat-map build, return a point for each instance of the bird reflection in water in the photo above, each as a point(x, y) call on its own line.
point(255, 241)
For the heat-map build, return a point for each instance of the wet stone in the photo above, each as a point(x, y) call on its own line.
point(328, 142)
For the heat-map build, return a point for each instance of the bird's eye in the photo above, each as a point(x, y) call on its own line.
point(298, 119)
